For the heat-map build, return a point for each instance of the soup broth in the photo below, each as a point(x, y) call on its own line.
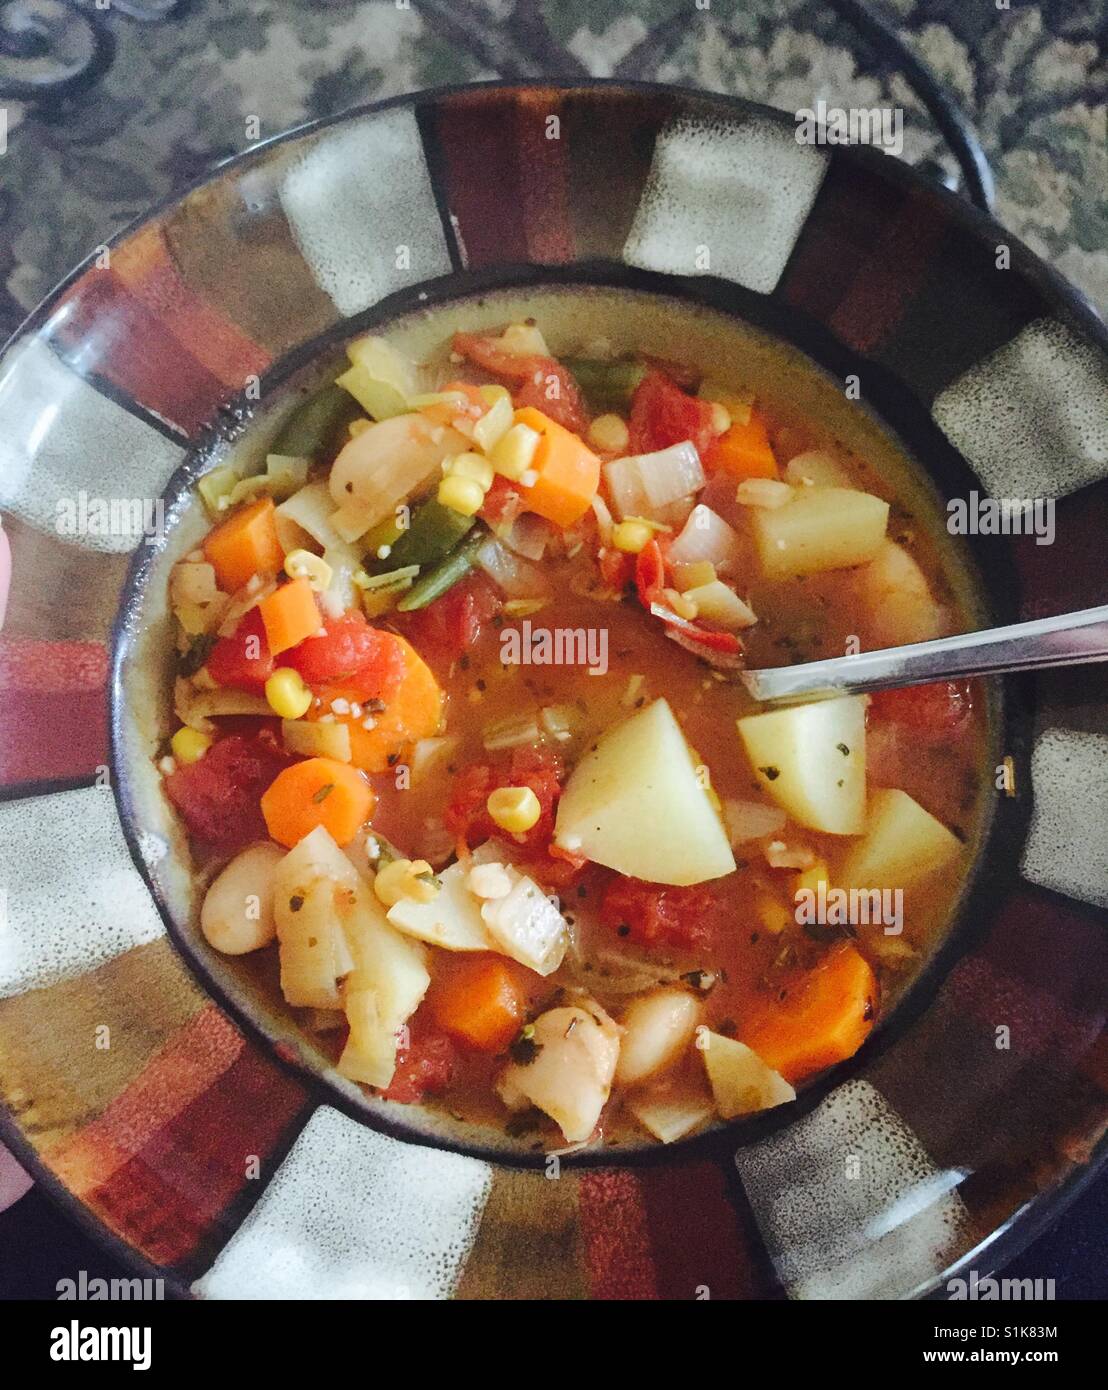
point(462, 744)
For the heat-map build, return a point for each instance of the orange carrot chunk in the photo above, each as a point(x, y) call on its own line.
point(244, 545)
point(481, 1001)
point(568, 471)
point(318, 791)
point(290, 615)
point(412, 712)
point(824, 1020)
point(744, 451)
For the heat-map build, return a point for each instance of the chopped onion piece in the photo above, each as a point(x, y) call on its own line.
point(707, 537)
point(720, 606)
point(528, 536)
point(645, 484)
point(763, 492)
point(518, 578)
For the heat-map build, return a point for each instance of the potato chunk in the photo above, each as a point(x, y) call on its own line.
point(902, 844)
point(811, 759)
point(819, 528)
point(636, 804)
point(569, 1077)
point(741, 1082)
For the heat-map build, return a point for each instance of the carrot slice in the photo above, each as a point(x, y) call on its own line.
point(480, 1000)
point(244, 545)
point(414, 711)
point(318, 791)
point(290, 615)
point(824, 1021)
point(744, 451)
point(568, 471)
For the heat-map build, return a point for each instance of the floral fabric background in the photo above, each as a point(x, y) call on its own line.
point(210, 77)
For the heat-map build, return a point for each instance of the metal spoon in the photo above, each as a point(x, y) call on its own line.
point(1070, 639)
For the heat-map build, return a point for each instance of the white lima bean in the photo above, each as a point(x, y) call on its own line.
point(657, 1030)
point(237, 915)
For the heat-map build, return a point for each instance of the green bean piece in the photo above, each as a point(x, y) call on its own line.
point(444, 576)
point(606, 385)
point(312, 430)
point(433, 533)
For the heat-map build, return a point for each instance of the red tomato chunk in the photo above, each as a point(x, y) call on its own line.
point(350, 653)
point(219, 796)
point(466, 815)
point(653, 914)
point(243, 660)
point(928, 709)
point(447, 628)
point(662, 414)
point(425, 1067)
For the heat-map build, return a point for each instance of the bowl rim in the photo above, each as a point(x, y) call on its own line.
point(1063, 297)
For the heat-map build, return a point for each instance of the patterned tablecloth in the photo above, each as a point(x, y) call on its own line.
point(209, 79)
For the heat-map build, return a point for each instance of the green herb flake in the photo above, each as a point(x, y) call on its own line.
point(323, 793)
point(771, 774)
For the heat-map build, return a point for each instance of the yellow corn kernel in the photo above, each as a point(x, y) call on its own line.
point(514, 452)
point(631, 536)
point(514, 809)
point(287, 694)
point(494, 392)
point(411, 879)
point(721, 418)
point(461, 494)
point(812, 876)
point(302, 564)
point(683, 606)
point(693, 576)
point(495, 423)
point(737, 401)
point(609, 434)
point(189, 745)
point(472, 466)
point(772, 913)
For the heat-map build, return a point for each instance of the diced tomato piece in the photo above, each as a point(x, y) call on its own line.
point(503, 503)
point(654, 914)
point(650, 574)
point(542, 382)
point(662, 414)
point(552, 389)
point(219, 797)
point(942, 708)
point(425, 1067)
point(350, 653)
point(447, 628)
point(617, 568)
point(243, 660)
point(466, 815)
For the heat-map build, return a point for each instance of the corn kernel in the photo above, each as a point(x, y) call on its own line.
point(472, 466)
point(494, 424)
point(721, 418)
point(494, 392)
point(812, 876)
point(773, 915)
point(302, 564)
point(631, 536)
point(189, 745)
point(287, 694)
point(514, 452)
point(609, 434)
point(462, 495)
point(411, 879)
point(489, 881)
point(514, 809)
point(681, 604)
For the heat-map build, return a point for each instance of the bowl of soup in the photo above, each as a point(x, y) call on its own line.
point(412, 537)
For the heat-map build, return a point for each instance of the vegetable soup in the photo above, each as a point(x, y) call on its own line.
point(460, 746)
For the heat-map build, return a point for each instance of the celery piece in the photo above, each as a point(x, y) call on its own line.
point(434, 532)
point(313, 429)
point(216, 486)
point(606, 385)
point(445, 575)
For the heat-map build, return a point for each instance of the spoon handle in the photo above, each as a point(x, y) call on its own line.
point(1070, 639)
